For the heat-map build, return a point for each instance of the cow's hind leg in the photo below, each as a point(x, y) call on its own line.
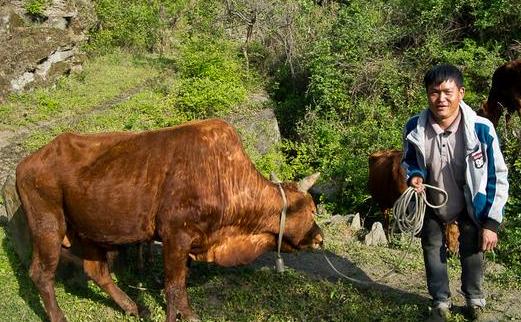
point(47, 225)
point(96, 267)
point(46, 255)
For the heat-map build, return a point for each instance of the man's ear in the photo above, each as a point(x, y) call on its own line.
point(462, 91)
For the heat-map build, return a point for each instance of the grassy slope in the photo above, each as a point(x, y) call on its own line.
point(251, 293)
point(101, 80)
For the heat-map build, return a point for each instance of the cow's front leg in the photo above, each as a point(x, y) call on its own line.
point(175, 256)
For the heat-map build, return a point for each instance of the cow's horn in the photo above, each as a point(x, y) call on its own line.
point(308, 182)
point(274, 178)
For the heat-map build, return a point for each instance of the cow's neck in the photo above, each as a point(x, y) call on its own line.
point(243, 241)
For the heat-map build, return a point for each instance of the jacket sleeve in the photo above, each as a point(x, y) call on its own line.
point(497, 184)
point(410, 159)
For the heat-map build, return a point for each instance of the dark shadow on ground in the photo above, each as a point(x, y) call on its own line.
point(315, 265)
point(69, 274)
point(311, 264)
point(27, 290)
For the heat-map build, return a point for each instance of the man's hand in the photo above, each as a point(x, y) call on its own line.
point(489, 239)
point(417, 184)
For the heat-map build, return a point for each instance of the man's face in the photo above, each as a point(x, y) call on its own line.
point(444, 99)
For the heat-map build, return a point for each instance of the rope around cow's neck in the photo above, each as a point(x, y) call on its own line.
point(406, 221)
point(279, 262)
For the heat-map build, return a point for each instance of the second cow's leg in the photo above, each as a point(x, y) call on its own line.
point(175, 256)
point(96, 267)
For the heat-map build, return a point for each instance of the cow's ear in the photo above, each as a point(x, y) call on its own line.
point(308, 182)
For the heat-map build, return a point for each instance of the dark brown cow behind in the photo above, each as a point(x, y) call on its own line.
point(386, 180)
point(504, 93)
point(386, 184)
point(192, 187)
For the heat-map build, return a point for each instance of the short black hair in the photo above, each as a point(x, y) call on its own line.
point(443, 72)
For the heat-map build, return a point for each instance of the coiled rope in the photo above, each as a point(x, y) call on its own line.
point(408, 219)
point(409, 216)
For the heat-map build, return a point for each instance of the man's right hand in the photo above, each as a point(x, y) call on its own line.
point(417, 184)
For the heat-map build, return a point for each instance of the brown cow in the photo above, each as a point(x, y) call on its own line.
point(386, 180)
point(192, 187)
point(386, 184)
point(504, 93)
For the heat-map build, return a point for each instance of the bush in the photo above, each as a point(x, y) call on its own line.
point(211, 80)
point(509, 249)
point(136, 25)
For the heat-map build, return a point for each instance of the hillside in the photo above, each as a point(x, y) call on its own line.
point(334, 80)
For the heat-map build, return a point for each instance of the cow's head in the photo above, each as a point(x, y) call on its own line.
point(301, 230)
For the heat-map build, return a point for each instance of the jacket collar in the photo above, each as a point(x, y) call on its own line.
point(417, 135)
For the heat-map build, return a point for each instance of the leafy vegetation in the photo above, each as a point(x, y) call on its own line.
point(343, 78)
point(35, 8)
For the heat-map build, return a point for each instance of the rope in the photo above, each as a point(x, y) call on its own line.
point(408, 219)
point(279, 262)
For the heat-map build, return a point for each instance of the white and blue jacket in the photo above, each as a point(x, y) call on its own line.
point(486, 188)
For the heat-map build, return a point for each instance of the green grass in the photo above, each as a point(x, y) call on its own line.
point(248, 293)
point(148, 109)
point(103, 78)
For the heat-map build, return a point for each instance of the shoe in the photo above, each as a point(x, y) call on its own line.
point(439, 314)
point(477, 313)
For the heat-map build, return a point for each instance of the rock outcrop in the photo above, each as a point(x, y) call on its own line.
point(37, 49)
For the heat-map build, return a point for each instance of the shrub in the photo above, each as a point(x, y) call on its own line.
point(211, 80)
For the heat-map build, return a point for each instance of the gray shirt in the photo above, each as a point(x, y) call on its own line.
point(445, 158)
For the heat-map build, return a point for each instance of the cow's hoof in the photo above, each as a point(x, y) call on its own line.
point(130, 308)
point(58, 318)
point(144, 312)
point(188, 317)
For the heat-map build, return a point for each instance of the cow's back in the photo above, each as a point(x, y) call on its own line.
point(506, 87)
point(113, 185)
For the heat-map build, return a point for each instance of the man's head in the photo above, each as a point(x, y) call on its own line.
point(444, 85)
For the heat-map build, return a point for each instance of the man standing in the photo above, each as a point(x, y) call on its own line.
point(450, 147)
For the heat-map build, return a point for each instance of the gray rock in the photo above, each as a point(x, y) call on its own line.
point(16, 222)
point(37, 51)
point(376, 236)
point(338, 219)
point(356, 224)
point(258, 128)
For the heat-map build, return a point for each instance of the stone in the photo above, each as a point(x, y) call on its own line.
point(338, 219)
point(36, 51)
point(259, 129)
point(356, 224)
point(376, 236)
point(16, 222)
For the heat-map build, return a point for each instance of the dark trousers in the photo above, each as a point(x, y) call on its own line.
point(435, 258)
